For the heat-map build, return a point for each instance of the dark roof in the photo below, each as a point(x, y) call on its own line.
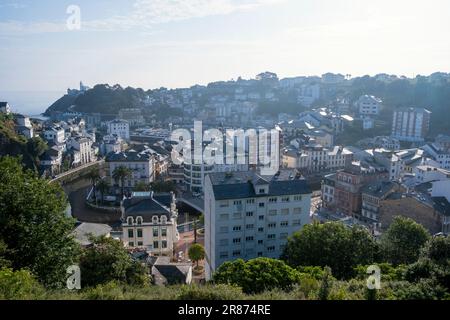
point(127, 156)
point(378, 189)
point(146, 207)
point(240, 185)
point(168, 273)
point(441, 205)
point(3, 104)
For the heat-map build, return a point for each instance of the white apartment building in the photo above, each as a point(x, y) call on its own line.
point(111, 143)
point(24, 126)
point(411, 124)
point(55, 134)
point(369, 105)
point(249, 216)
point(149, 221)
point(120, 128)
point(140, 163)
point(315, 158)
point(84, 146)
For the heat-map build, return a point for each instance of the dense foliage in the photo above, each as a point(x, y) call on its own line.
point(107, 260)
point(33, 225)
point(333, 245)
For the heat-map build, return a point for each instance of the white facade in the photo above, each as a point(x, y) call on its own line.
point(150, 223)
point(55, 134)
point(369, 105)
point(120, 128)
point(140, 164)
point(426, 173)
point(411, 124)
point(251, 225)
point(84, 147)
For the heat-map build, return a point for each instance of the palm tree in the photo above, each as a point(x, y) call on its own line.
point(94, 176)
point(120, 174)
point(103, 186)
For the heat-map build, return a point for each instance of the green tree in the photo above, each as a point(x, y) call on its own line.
point(4, 262)
point(326, 284)
point(103, 187)
point(141, 187)
point(257, 275)
point(18, 285)
point(196, 253)
point(331, 244)
point(403, 241)
point(33, 224)
point(94, 176)
point(36, 147)
point(107, 260)
point(119, 175)
point(163, 186)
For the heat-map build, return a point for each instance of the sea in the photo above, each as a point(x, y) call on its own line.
point(30, 103)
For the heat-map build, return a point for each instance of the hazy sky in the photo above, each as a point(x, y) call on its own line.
point(178, 43)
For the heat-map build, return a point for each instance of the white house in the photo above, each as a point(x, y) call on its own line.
point(5, 108)
point(249, 216)
point(149, 221)
point(55, 134)
point(84, 147)
point(24, 126)
point(120, 128)
point(369, 105)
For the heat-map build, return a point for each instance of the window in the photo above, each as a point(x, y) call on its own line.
point(155, 244)
point(296, 222)
point(140, 243)
point(272, 212)
point(236, 228)
point(297, 210)
point(236, 240)
point(285, 199)
point(262, 191)
point(163, 232)
point(283, 236)
point(260, 241)
point(260, 229)
point(155, 219)
point(164, 244)
point(251, 201)
point(249, 214)
point(130, 220)
point(284, 223)
point(260, 254)
point(236, 253)
point(130, 233)
point(237, 202)
point(273, 200)
point(261, 204)
point(224, 204)
point(249, 226)
point(131, 244)
point(155, 232)
point(271, 236)
point(139, 220)
point(272, 225)
point(261, 218)
point(224, 216)
point(139, 233)
point(237, 215)
point(284, 212)
point(271, 249)
point(223, 229)
point(249, 239)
